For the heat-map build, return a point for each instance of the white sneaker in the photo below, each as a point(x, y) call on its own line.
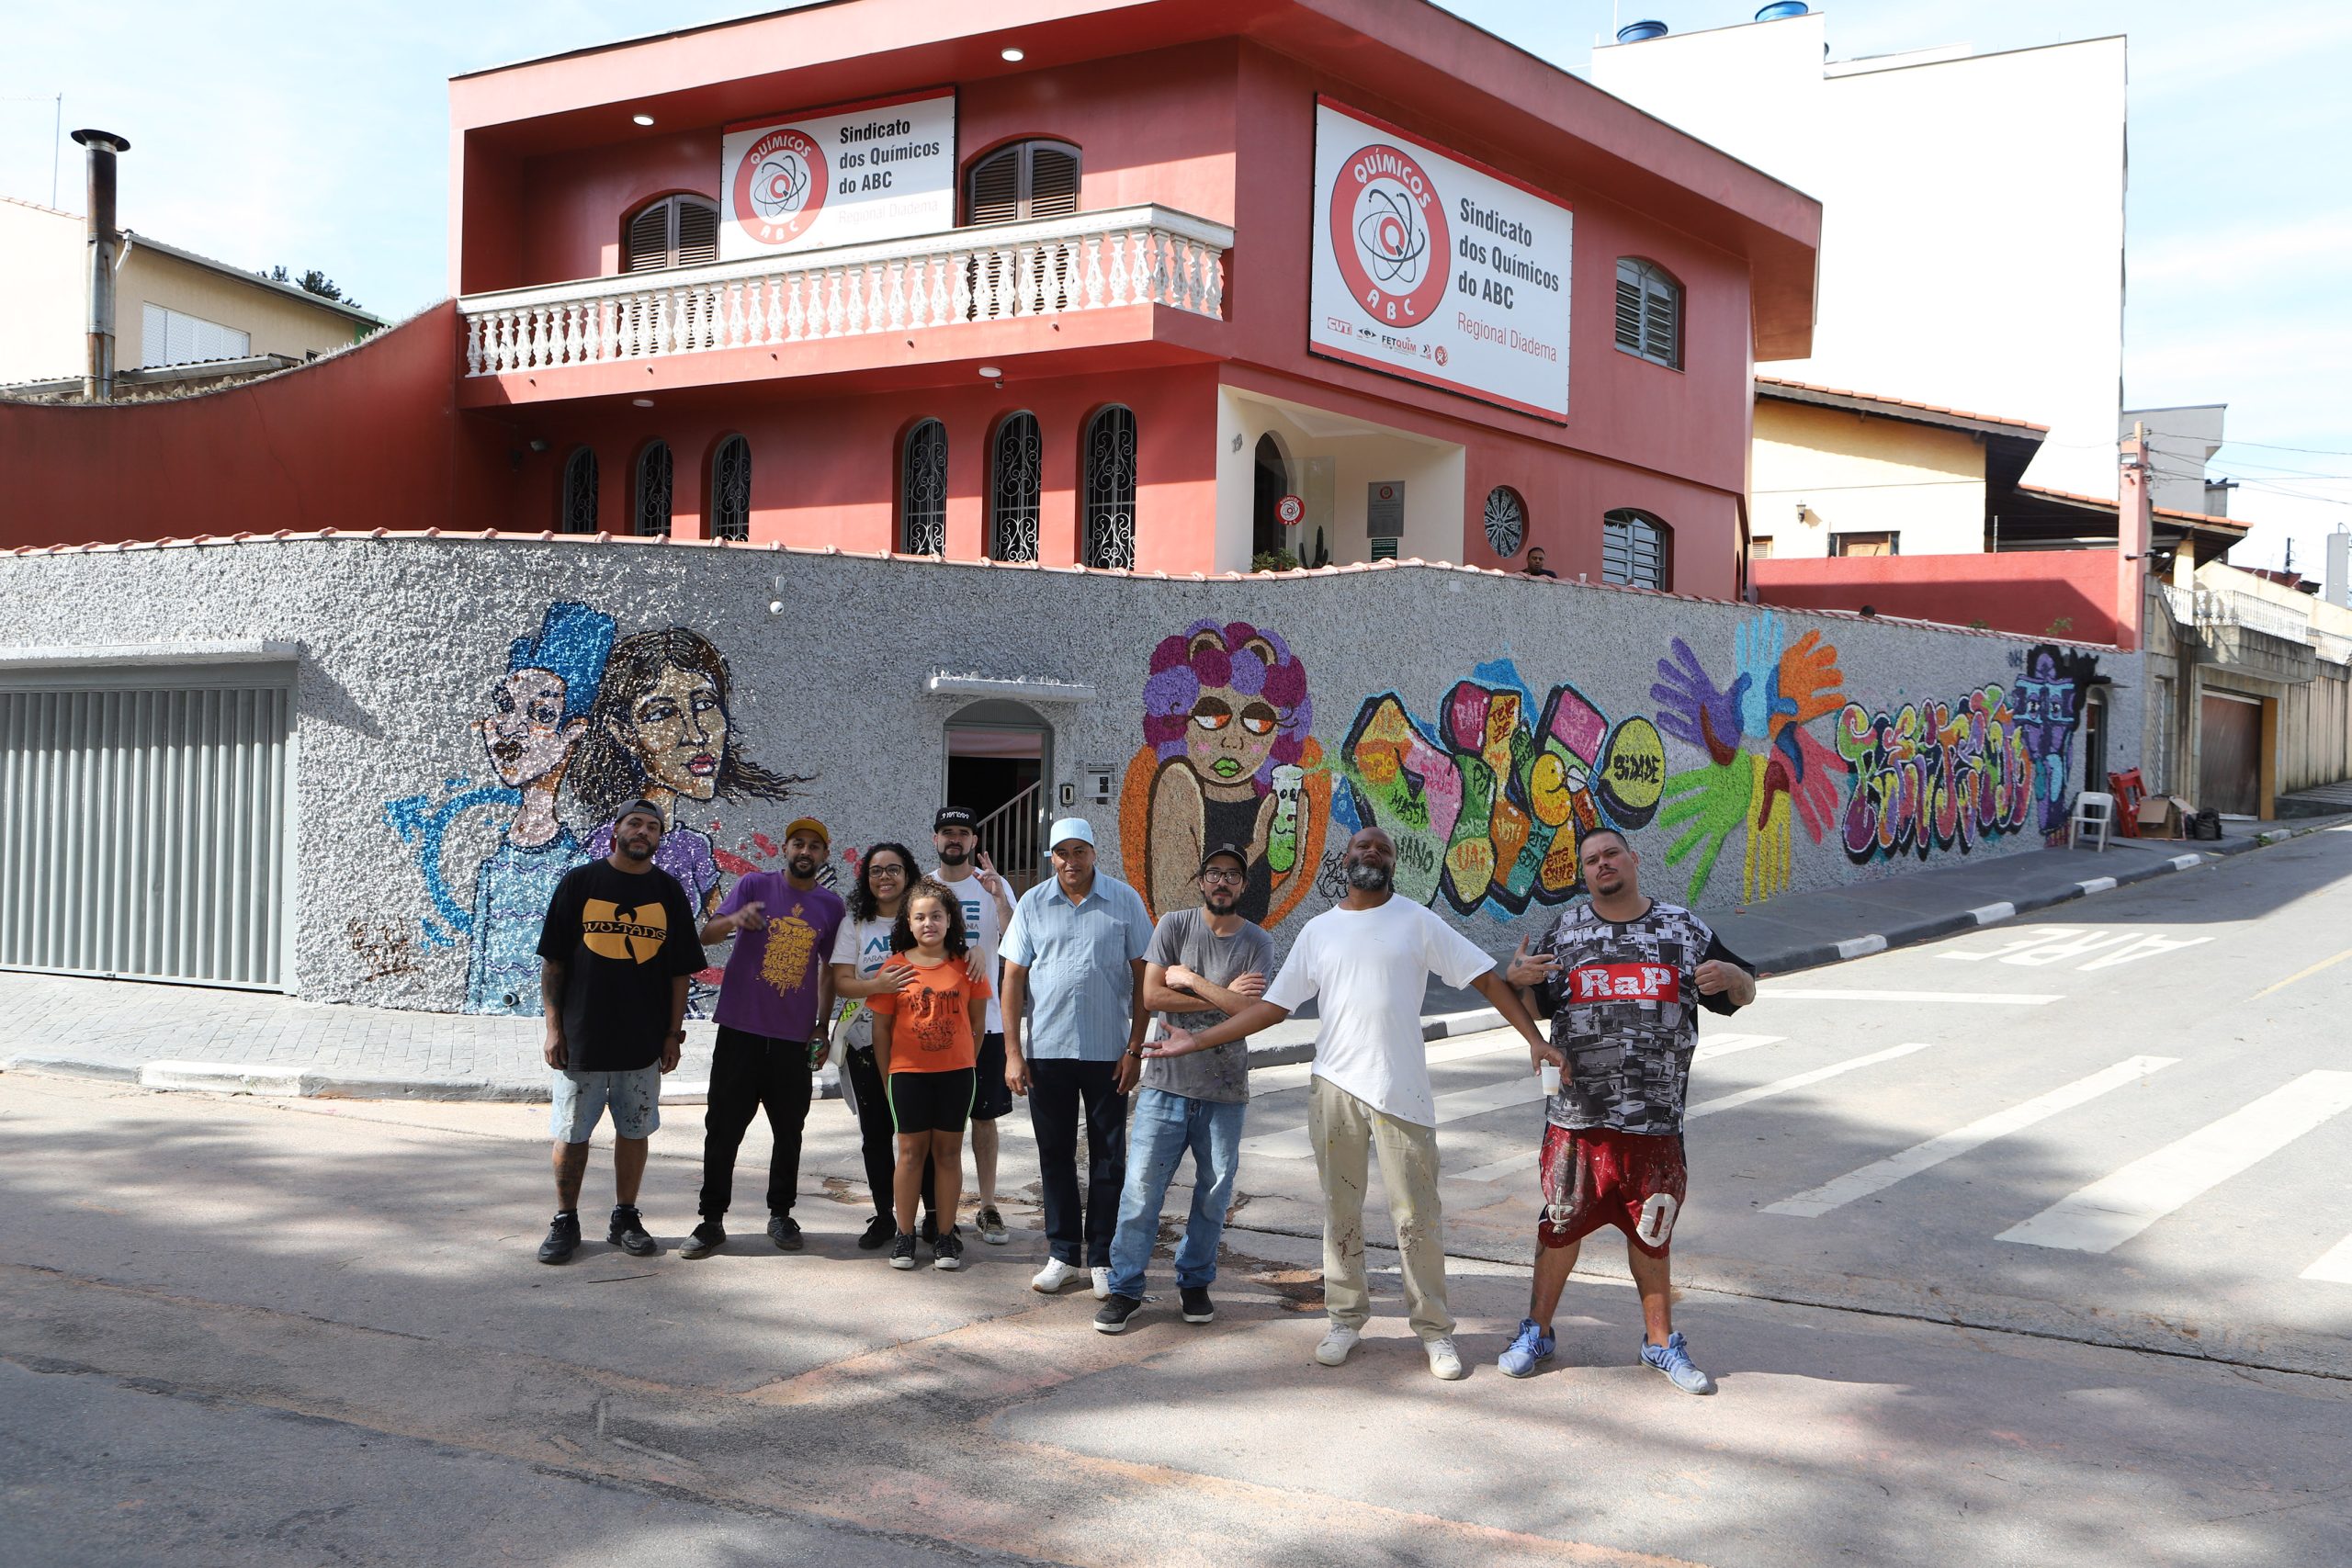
point(1053, 1276)
point(1445, 1362)
point(1101, 1284)
point(1337, 1342)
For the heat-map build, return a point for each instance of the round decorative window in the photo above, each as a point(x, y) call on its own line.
point(1506, 520)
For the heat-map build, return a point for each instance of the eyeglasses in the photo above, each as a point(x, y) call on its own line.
point(886, 869)
point(1232, 876)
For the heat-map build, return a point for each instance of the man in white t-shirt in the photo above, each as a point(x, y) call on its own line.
point(965, 870)
point(1369, 958)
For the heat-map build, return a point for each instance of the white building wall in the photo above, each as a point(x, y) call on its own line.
point(1972, 252)
point(41, 257)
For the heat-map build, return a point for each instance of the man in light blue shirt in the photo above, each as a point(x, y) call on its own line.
point(1073, 1039)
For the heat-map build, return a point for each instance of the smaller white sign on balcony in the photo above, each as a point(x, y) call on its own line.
point(852, 175)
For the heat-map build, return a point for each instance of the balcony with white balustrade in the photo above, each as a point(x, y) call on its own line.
point(1144, 281)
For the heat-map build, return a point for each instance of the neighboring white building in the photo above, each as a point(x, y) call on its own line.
point(2181, 442)
point(1972, 252)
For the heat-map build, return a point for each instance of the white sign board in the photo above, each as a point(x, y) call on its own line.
point(1437, 269)
point(840, 177)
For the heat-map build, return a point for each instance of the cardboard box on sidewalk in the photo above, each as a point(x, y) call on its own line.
point(2163, 817)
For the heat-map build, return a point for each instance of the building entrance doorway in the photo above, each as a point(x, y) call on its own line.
point(1272, 483)
point(999, 758)
point(2095, 740)
point(2229, 755)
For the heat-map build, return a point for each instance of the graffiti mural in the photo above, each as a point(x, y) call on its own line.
point(1934, 776)
point(579, 715)
point(1226, 759)
point(1486, 807)
point(1762, 771)
point(2049, 692)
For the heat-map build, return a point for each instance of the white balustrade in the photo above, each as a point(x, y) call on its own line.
point(1090, 261)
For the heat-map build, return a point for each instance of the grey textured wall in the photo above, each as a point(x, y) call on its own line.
point(1751, 752)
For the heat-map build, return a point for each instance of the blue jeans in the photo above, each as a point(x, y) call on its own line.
point(1165, 1126)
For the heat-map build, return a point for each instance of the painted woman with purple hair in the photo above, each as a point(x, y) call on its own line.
point(1227, 759)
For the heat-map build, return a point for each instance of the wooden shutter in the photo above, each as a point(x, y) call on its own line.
point(647, 248)
point(1629, 308)
point(995, 194)
point(697, 232)
point(1662, 322)
point(1053, 183)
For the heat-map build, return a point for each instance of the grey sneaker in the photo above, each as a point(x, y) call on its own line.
point(1673, 1358)
point(990, 1226)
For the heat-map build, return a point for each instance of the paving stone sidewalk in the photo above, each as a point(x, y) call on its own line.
point(195, 1037)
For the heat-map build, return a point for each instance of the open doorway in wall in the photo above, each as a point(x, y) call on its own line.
point(999, 758)
point(2094, 739)
point(1371, 491)
point(1272, 483)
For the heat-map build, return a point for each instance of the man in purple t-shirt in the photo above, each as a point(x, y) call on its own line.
point(773, 1006)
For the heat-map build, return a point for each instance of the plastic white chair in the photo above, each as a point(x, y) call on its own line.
point(2092, 809)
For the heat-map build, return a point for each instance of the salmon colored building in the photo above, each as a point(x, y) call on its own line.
point(1151, 285)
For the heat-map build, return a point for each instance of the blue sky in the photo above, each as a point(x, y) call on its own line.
point(277, 132)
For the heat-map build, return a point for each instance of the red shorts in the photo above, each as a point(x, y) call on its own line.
point(1596, 1175)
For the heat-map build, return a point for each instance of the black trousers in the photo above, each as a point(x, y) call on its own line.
point(748, 1072)
point(1078, 1230)
point(876, 1134)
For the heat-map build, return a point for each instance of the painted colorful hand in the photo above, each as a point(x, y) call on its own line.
point(1810, 679)
point(1694, 709)
point(1756, 646)
point(1708, 804)
point(1804, 769)
point(1771, 864)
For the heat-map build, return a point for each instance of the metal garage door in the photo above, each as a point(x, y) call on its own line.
point(143, 823)
point(2229, 745)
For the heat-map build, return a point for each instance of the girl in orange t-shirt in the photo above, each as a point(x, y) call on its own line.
point(926, 1037)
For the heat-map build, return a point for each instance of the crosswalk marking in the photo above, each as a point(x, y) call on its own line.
point(2114, 1209)
point(1294, 1144)
point(1293, 1075)
point(1885, 1173)
point(1519, 1164)
point(1799, 1081)
point(2334, 1265)
point(1968, 999)
point(1725, 1044)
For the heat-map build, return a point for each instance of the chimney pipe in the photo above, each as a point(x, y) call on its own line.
point(105, 243)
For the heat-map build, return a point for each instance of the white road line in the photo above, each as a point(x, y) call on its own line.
point(1885, 1173)
point(1293, 1075)
point(1800, 1080)
point(2334, 1265)
point(2114, 1209)
point(1292, 1143)
point(1967, 999)
point(1725, 1044)
point(1522, 1164)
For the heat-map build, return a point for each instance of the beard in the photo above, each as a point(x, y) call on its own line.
point(801, 865)
point(1223, 901)
point(1366, 877)
point(953, 854)
point(637, 849)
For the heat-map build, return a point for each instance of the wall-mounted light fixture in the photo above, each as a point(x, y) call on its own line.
point(642, 119)
point(1014, 57)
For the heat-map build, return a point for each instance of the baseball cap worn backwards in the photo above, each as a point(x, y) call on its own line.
point(1069, 828)
point(640, 806)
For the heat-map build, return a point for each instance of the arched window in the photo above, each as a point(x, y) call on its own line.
point(653, 486)
point(730, 490)
point(1635, 548)
point(675, 231)
point(1649, 312)
point(923, 489)
point(579, 492)
point(1016, 473)
point(1023, 180)
point(1110, 488)
point(1506, 521)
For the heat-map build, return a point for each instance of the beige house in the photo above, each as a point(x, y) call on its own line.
point(174, 308)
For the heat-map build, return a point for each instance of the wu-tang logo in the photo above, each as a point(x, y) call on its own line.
point(610, 932)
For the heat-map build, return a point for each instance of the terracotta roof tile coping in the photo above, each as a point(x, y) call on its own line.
point(1899, 402)
point(2082, 500)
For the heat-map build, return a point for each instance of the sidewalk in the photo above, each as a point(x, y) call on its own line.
point(249, 1042)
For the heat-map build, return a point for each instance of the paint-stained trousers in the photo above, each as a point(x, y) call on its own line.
point(1344, 1129)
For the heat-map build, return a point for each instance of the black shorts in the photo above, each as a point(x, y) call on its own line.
point(992, 1098)
point(930, 1102)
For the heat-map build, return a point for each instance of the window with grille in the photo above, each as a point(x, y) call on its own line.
point(1110, 482)
point(1027, 179)
point(923, 489)
point(1016, 474)
point(1506, 521)
point(730, 490)
point(1649, 312)
point(1635, 549)
point(654, 475)
point(677, 231)
point(579, 492)
point(175, 337)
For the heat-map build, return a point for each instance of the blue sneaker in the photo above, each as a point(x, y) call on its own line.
point(1673, 1358)
point(1529, 1351)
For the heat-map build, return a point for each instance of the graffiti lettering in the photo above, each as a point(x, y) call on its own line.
point(1934, 776)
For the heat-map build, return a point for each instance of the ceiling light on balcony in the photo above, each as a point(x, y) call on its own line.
point(642, 119)
point(1011, 56)
point(640, 402)
point(991, 372)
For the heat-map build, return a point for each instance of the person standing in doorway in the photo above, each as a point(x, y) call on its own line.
point(774, 1007)
point(1369, 958)
point(926, 1037)
point(1073, 1036)
point(860, 953)
point(614, 950)
point(964, 870)
point(1619, 973)
point(1204, 964)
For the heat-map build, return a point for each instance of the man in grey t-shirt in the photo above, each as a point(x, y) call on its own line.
point(1203, 966)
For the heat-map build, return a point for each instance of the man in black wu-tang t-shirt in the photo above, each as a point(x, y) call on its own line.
point(615, 950)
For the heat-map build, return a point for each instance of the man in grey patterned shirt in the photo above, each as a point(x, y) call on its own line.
point(1204, 964)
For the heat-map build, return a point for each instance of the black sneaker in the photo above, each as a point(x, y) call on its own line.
point(1113, 1315)
point(902, 1250)
point(784, 1231)
point(563, 1238)
point(628, 1232)
point(878, 1231)
point(930, 1229)
point(709, 1237)
point(947, 1252)
point(1198, 1308)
